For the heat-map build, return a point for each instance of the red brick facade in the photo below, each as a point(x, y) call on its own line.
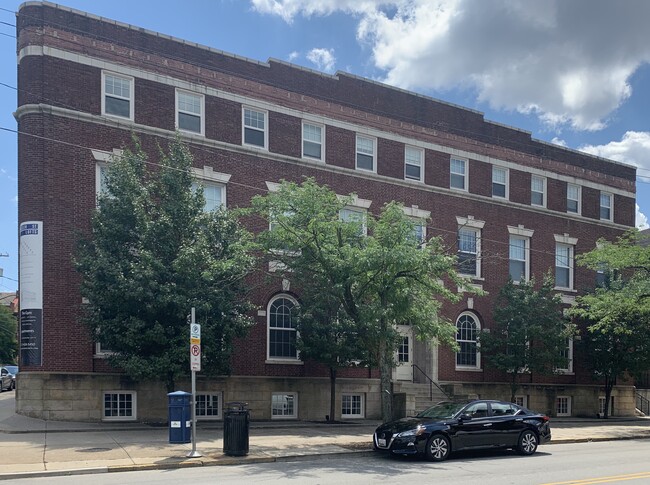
point(62, 54)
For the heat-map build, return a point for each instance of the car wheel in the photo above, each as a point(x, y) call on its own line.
point(528, 442)
point(13, 386)
point(438, 448)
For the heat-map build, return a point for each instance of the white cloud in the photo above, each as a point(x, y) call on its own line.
point(323, 59)
point(641, 219)
point(634, 149)
point(567, 62)
point(558, 141)
point(293, 56)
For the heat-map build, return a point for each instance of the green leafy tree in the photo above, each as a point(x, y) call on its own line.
point(373, 281)
point(617, 312)
point(529, 333)
point(152, 254)
point(8, 339)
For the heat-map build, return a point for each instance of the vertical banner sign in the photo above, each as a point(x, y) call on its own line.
point(195, 347)
point(31, 293)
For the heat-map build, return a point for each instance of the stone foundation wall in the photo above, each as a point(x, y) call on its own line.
point(542, 398)
point(78, 397)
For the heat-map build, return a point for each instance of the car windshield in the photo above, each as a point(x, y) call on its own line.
point(442, 410)
point(13, 369)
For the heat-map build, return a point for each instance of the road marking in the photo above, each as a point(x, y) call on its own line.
point(615, 478)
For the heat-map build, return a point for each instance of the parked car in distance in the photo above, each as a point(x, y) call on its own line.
point(8, 377)
point(454, 426)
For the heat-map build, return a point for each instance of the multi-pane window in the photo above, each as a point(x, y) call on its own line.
point(605, 206)
point(189, 112)
point(354, 216)
point(352, 406)
point(284, 405)
point(419, 232)
point(466, 335)
point(119, 405)
point(564, 266)
point(518, 259)
point(214, 194)
point(458, 174)
point(538, 191)
point(117, 96)
point(601, 406)
point(567, 353)
point(403, 350)
point(254, 127)
point(573, 198)
point(563, 406)
point(208, 406)
point(499, 182)
point(521, 400)
point(413, 164)
point(365, 153)
point(468, 251)
point(312, 141)
point(282, 329)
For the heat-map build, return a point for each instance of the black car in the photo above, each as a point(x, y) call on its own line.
point(454, 426)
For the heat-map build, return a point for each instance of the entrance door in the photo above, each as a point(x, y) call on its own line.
point(404, 355)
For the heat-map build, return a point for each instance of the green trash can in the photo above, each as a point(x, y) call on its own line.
point(236, 424)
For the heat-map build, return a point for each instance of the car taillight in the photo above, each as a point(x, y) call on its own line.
point(545, 418)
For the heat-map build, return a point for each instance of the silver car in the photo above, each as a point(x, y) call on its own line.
point(8, 377)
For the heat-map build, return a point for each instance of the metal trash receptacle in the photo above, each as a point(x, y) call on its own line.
point(180, 417)
point(236, 424)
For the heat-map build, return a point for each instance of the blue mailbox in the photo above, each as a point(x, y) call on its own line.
point(180, 417)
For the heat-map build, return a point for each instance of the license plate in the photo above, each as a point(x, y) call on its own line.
point(381, 442)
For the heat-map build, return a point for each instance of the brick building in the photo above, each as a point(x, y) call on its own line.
point(509, 204)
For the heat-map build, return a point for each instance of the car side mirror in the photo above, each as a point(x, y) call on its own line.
point(465, 417)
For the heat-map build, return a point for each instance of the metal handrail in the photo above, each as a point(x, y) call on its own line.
point(642, 404)
point(431, 384)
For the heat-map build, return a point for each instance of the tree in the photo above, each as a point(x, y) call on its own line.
point(8, 339)
point(151, 255)
point(617, 312)
point(530, 332)
point(375, 281)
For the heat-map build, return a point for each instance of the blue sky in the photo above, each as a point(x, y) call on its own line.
point(572, 72)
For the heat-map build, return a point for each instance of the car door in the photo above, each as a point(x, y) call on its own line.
point(474, 432)
point(6, 378)
point(505, 425)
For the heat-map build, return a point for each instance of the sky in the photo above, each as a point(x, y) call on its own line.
point(572, 72)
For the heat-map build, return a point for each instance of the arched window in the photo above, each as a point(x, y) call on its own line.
point(467, 328)
point(282, 328)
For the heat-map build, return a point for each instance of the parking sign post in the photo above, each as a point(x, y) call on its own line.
point(195, 365)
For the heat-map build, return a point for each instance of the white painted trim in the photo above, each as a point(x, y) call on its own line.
point(322, 141)
point(465, 175)
point(295, 405)
point(579, 198)
point(520, 231)
point(544, 191)
point(207, 173)
point(565, 239)
point(374, 152)
point(265, 131)
point(131, 98)
point(134, 401)
point(507, 182)
point(469, 221)
point(416, 212)
point(177, 111)
point(422, 155)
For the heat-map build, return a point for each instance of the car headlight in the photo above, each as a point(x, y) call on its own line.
point(412, 432)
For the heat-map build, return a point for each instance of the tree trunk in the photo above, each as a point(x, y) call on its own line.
point(514, 385)
point(332, 415)
point(385, 371)
point(609, 386)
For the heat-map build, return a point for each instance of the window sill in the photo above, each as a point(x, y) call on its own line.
point(283, 418)
point(469, 369)
point(566, 290)
point(351, 416)
point(284, 361)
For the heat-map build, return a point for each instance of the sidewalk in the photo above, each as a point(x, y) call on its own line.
point(32, 447)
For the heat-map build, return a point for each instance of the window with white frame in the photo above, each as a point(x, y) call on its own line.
point(519, 258)
point(284, 405)
point(414, 164)
point(312, 141)
point(538, 191)
point(467, 329)
point(573, 197)
point(563, 406)
point(102, 350)
point(354, 216)
point(420, 232)
point(101, 185)
point(468, 251)
point(208, 405)
point(564, 266)
point(500, 182)
point(282, 328)
point(352, 406)
point(213, 193)
point(521, 400)
point(458, 174)
point(117, 95)
point(567, 353)
point(255, 132)
point(601, 405)
point(119, 406)
point(605, 206)
point(189, 112)
point(365, 153)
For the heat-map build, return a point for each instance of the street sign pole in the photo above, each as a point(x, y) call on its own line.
point(194, 367)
